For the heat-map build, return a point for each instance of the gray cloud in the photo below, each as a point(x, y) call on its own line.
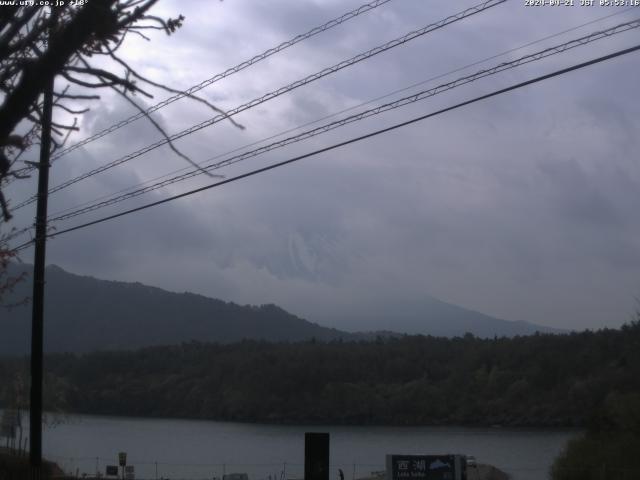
point(521, 207)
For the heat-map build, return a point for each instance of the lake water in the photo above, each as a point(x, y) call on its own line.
point(193, 449)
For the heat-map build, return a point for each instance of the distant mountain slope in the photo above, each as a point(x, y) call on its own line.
point(431, 316)
point(85, 314)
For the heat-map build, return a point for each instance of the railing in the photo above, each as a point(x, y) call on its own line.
point(95, 467)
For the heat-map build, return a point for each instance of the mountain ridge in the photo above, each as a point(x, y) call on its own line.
point(127, 315)
point(87, 314)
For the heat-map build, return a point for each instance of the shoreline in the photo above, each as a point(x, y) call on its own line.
point(435, 426)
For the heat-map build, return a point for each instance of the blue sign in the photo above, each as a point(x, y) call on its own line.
point(424, 467)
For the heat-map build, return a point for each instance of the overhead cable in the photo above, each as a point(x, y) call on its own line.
point(230, 71)
point(334, 114)
point(624, 27)
point(280, 91)
point(347, 142)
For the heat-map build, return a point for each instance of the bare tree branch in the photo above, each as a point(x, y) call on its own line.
point(164, 134)
point(39, 43)
point(172, 90)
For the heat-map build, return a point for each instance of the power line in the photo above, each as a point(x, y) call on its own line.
point(15, 234)
point(624, 27)
point(112, 196)
point(276, 93)
point(335, 114)
point(230, 71)
point(348, 142)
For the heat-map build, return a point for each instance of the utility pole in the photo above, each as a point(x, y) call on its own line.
point(37, 326)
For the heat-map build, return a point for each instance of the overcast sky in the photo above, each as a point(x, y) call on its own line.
point(523, 206)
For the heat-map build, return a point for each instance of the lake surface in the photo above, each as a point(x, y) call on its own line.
point(194, 449)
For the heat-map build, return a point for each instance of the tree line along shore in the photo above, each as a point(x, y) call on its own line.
point(534, 381)
point(589, 380)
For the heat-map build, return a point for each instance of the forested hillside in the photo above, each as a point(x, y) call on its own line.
point(84, 314)
point(108, 315)
point(540, 380)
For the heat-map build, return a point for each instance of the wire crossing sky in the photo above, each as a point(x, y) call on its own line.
point(348, 142)
point(230, 71)
point(155, 180)
point(280, 91)
point(365, 114)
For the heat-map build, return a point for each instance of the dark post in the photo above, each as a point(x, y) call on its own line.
point(35, 419)
point(316, 456)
